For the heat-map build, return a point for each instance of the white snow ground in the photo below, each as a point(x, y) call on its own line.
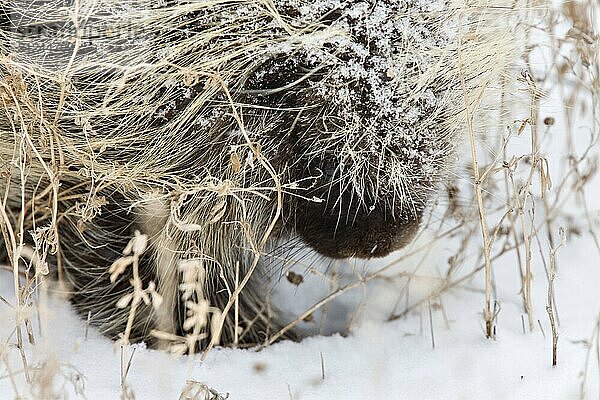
point(392, 360)
point(379, 360)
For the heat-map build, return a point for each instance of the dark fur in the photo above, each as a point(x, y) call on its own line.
point(344, 220)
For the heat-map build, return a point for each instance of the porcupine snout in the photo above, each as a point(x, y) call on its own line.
point(354, 114)
point(341, 230)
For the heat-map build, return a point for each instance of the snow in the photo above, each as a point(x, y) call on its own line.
point(380, 360)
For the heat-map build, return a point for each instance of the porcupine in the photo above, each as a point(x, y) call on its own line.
point(220, 129)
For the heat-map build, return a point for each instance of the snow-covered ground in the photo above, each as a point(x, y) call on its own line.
point(390, 361)
point(438, 350)
point(393, 360)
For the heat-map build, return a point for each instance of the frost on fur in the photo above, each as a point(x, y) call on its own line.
point(217, 128)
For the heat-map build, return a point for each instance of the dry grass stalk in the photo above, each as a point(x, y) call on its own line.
point(550, 301)
point(478, 195)
point(195, 390)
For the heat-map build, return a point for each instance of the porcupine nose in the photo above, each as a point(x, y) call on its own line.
point(339, 232)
